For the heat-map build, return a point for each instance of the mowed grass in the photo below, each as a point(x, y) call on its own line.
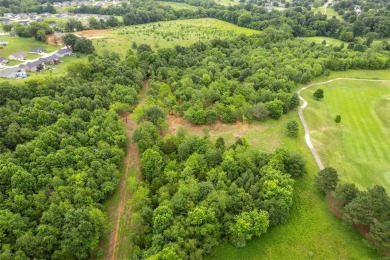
point(312, 231)
point(358, 147)
point(164, 34)
point(18, 44)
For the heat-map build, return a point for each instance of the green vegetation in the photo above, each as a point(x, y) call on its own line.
point(319, 40)
point(382, 109)
point(227, 2)
point(178, 6)
point(358, 146)
point(17, 44)
point(165, 34)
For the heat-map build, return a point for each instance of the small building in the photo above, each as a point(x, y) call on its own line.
point(38, 50)
point(63, 52)
point(12, 34)
point(53, 59)
point(6, 21)
point(24, 22)
point(13, 73)
point(34, 66)
point(3, 61)
point(18, 56)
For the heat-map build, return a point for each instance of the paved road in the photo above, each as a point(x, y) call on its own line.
point(304, 123)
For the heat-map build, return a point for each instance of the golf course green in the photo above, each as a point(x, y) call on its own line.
point(359, 146)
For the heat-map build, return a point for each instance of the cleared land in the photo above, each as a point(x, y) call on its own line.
point(18, 44)
point(359, 146)
point(329, 40)
point(227, 2)
point(179, 6)
point(163, 34)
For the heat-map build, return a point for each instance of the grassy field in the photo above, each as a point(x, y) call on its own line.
point(179, 6)
point(227, 2)
point(17, 44)
point(329, 40)
point(359, 146)
point(164, 34)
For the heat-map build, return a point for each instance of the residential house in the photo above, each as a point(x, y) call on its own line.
point(24, 22)
point(13, 73)
point(37, 50)
point(18, 56)
point(6, 21)
point(4, 43)
point(39, 19)
point(63, 52)
point(53, 59)
point(34, 66)
point(9, 15)
point(3, 61)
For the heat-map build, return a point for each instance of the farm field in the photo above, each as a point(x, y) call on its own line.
point(163, 34)
point(18, 44)
point(179, 6)
point(359, 146)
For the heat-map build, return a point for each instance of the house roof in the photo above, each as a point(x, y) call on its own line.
point(19, 54)
point(51, 58)
point(63, 51)
point(33, 63)
point(37, 49)
point(2, 59)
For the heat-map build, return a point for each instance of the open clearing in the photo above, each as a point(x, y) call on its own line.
point(359, 146)
point(163, 34)
point(329, 40)
point(179, 6)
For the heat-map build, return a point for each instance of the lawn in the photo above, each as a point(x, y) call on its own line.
point(329, 40)
point(359, 146)
point(17, 44)
point(164, 34)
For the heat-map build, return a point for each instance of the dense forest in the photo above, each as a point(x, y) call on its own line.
point(61, 146)
point(246, 78)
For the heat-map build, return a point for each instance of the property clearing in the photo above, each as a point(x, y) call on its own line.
point(165, 34)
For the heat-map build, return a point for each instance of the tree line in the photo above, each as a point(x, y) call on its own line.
point(61, 147)
point(368, 210)
point(246, 78)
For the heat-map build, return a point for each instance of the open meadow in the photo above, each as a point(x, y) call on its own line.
point(163, 34)
point(359, 146)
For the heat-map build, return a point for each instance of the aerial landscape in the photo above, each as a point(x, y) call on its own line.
point(194, 129)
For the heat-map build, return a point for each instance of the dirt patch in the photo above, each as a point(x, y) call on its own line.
point(94, 33)
point(53, 40)
point(334, 205)
point(238, 129)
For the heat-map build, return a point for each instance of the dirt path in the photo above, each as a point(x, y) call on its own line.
point(304, 123)
point(132, 160)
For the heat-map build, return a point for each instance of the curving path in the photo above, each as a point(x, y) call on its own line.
point(304, 123)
